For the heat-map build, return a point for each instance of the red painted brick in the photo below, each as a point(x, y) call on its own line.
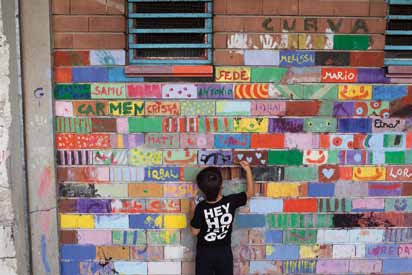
point(302, 108)
point(244, 7)
point(219, 41)
point(228, 57)
point(367, 59)
point(71, 58)
point(88, 7)
point(334, 8)
point(378, 8)
point(377, 42)
point(273, 141)
point(107, 24)
point(99, 41)
point(373, 25)
point(280, 7)
point(219, 7)
point(63, 40)
point(63, 75)
point(68, 23)
point(116, 6)
point(60, 6)
point(68, 237)
point(407, 189)
point(300, 205)
point(67, 206)
point(246, 24)
point(104, 125)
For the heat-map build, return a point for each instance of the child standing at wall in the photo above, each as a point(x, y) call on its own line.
point(212, 221)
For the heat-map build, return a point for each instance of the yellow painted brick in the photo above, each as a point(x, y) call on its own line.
point(309, 251)
point(76, 221)
point(279, 190)
point(251, 125)
point(368, 173)
point(355, 92)
point(174, 221)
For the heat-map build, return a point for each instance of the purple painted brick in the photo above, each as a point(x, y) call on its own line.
point(93, 206)
point(345, 109)
point(282, 125)
point(90, 74)
point(366, 75)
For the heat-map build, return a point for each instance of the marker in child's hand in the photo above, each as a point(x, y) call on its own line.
point(199, 197)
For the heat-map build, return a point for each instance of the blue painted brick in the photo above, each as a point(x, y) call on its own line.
point(321, 190)
point(77, 252)
point(111, 221)
point(274, 236)
point(382, 251)
point(250, 221)
point(282, 252)
point(266, 205)
point(116, 74)
point(388, 92)
point(396, 266)
point(350, 125)
point(145, 221)
point(90, 74)
point(69, 268)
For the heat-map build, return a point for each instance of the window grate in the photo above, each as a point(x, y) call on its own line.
point(398, 46)
point(170, 32)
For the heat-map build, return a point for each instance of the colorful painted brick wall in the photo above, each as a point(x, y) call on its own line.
point(299, 91)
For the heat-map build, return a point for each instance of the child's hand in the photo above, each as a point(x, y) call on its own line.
point(245, 165)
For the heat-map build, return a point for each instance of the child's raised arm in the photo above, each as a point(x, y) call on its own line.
point(249, 179)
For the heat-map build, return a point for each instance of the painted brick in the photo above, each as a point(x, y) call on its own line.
point(300, 205)
point(164, 268)
point(265, 205)
point(250, 221)
point(282, 252)
point(127, 268)
point(78, 252)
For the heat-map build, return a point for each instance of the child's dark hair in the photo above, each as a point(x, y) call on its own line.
point(210, 181)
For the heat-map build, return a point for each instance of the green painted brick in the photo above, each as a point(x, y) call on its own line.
point(285, 157)
point(78, 125)
point(190, 173)
point(320, 125)
point(334, 205)
point(351, 42)
point(332, 157)
point(320, 91)
point(301, 173)
point(408, 157)
point(145, 124)
point(163, 237)
point(300, 236)
point(286, 91)
point(284, 221)
point(267, 74)
point(72, 91)
point(398, 204)
point(393, 141)
point(395, 157)
point(326, 108)
point(128, 237)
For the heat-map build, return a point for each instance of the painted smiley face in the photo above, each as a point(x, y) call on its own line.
point(315, 157)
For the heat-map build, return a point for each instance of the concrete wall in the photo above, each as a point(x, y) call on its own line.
point(299, 91)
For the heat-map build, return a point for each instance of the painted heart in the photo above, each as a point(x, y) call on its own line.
point(249, 159)
point(258, 155)
point(263, 161)
point(240, 156)
point(328, 173)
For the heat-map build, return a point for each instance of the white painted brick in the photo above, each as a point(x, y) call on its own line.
point(366, 235)
point(107, 57)
point(165, 268)
point(174, 252)
point(344, 251)
point(329, 236)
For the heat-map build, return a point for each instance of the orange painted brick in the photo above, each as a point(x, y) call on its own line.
point(367, 59)
point(244, 7)
point(99, 41)
point(60, 6)
point(280, 7)
point(116, 6)
point(63, 75)
point(63, 41)
point(88, 7)
point(378, 8)
point(300, 205)
point(71, 58)
point(228, 57)
point(107, 24)
point(408, 140)
point(273, 141)
point(145, 190)
point(112, 252)
point(69, 23)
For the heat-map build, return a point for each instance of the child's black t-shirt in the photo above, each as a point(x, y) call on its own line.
point(215, 220)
